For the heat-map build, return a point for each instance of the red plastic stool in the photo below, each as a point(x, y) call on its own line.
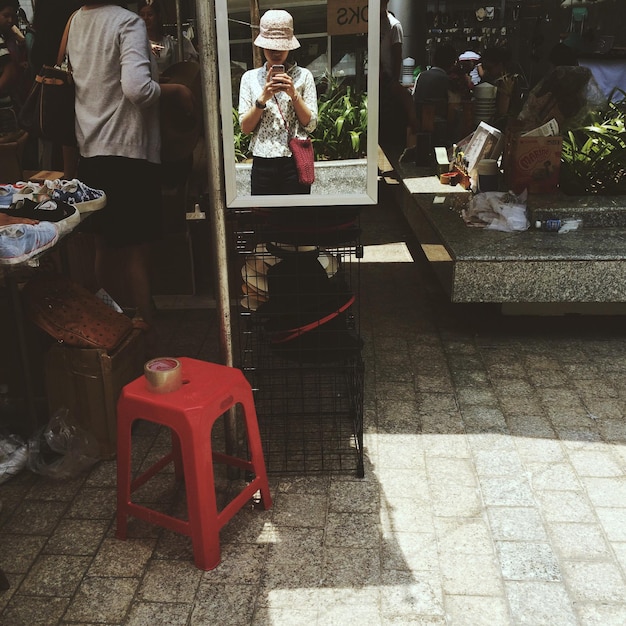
point(208, 391)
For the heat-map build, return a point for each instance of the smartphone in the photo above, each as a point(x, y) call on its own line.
point(277, 69)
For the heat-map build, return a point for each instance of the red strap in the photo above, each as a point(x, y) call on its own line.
point(292, 334)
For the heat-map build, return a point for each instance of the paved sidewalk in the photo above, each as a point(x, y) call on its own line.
point(494, 489)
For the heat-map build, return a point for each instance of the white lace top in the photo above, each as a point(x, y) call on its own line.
point(270, 136)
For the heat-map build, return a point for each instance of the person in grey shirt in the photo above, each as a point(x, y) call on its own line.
point(119, 141)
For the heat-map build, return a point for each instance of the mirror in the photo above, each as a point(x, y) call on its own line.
point(348, 173)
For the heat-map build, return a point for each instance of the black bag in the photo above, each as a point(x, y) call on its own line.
point(48, 111)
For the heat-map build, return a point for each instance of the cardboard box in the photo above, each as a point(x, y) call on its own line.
point(88, 382)
point(533, 163)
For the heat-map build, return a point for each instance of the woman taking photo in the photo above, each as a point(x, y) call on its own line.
point(276, 101)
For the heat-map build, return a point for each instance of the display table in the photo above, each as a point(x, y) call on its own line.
point(584, 267)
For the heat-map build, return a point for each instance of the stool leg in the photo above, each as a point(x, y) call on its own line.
point(254, 444)
point(124, 423)
point(201, 500)
point(179, 471)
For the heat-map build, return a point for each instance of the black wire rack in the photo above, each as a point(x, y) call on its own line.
point(298, 340)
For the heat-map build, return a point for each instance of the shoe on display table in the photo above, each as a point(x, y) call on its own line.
point(65, 216)
point(21, 242)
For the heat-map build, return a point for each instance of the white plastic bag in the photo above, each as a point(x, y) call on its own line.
point(497, 210)
point(61, 449)
point(13, 456)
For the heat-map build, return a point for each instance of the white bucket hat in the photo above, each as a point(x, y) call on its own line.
point(469, 55)
point(276, 31)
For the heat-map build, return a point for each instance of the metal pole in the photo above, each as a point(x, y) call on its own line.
point(179, 32)
point(216, 193)
point(257, 57)
point(207, 38)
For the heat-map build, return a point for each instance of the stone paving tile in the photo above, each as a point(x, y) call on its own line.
point(409, 552)
point(151, 613)
point(591, 581)
point(18, 552)
point(471, 574)
point(117, 558)
point(579, 541)
point(100, 600)
point(169, 581)
point(55, 575)
point(525, 560)
point(601, 614)
point(476, 610)
point(34, 611)
point(534, 603)
point(516, 524)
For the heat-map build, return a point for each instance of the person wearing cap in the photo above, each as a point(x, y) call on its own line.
point(275, 106)
point(468, 61)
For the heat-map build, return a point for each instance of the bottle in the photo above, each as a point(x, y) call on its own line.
point(550, 224)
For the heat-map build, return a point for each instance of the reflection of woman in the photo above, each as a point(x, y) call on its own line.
point(269, 102)
point(164, 47)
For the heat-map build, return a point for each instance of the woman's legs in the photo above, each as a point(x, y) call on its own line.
point(125, 274)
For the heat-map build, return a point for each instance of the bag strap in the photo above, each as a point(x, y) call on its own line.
point(288, 335)
point(281, 114)
point(63, 44)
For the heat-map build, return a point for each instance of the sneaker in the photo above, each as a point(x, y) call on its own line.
point(6, 195)
point(65, 216)
point(31, 191)
point(20, 242)
point(75, 192)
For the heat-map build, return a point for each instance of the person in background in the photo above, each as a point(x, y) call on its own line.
point(269, 101)
point(432, 88)
point(49, 20)
point(396, 116)
point(562, 54)
point(164, 47)
point(493, 64)
point(468, 62)
point(494, 69)
point(119, 140)
point(13, 65)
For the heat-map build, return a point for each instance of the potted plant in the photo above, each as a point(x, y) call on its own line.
point(593, 159)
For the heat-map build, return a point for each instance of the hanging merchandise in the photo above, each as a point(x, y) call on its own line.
point(567, 4)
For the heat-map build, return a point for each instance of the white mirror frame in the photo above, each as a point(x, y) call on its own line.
point(233, 200)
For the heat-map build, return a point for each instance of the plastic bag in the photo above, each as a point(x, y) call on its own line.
point(497, 210)
point(13, 456)
point(61, 449)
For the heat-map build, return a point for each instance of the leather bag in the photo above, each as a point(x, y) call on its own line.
point(48, 111)
point(73, 315)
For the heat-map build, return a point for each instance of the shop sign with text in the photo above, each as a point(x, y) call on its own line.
point(347, 17)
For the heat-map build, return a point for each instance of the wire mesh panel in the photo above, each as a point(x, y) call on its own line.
point(299, 341)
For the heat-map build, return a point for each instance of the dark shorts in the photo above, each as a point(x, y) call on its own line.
point(277, 176)
point(133, 213)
